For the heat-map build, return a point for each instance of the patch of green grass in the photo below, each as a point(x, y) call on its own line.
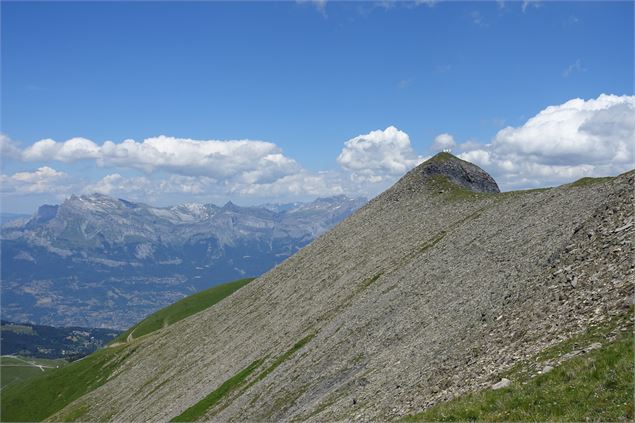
point(277, 362)
point(38, 398)
point(284, 357)
point(369, 281)
point(17, 369)
point(597, 386)
point(593, 334)
point(200, 408)
point(15, 373)
point(452, 191)
point(357, 358)
point(51, 391)
point(182, 309)
point(432, 242)
point(443, 157)
point(583, 182)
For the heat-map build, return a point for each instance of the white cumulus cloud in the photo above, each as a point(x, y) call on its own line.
point(142, 188)
point(253, 161)
point(42, 180)
point(563, 142)
point(443, 142)
point(116, 185)
point(378, 155)
point(300, 185)
point(69, 151)
point(8, 147)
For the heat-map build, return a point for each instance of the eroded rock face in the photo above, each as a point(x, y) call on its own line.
point(441, 172)
point(460, 172)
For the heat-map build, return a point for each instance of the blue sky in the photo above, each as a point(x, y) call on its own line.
point(305, 77)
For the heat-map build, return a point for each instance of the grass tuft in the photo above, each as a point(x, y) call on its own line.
point(369, 281)
point(432, 242)
point(238, 380)
point(597, 386)
point(200, 408)
point(284, 357)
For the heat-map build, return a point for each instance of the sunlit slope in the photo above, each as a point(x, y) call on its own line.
point(15, 369)
point(181, 309)
point(37, 399)
point(586, 378)
point(434, 289)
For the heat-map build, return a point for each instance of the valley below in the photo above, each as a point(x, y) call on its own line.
point(97, 261)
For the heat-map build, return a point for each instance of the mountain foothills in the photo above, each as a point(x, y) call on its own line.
point(441, 286)
point(97, 261)
point(49, 342)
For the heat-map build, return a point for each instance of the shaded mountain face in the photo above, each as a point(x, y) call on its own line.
point(443, 171)
point(429, 291)
point(459, 172)
point(98, 261)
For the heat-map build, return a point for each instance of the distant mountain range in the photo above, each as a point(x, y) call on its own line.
point(440, 292)
point(98, 261)
point(9, 217)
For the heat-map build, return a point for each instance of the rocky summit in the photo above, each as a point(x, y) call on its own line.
point(439, 171)
point(463, 174)
point(433, 289)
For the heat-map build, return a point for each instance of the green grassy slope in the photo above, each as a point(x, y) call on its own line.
point(582, 182)
point(37, 399)
point(182, 309)
point(596, 386)
point(199, 409)
point(16, 369)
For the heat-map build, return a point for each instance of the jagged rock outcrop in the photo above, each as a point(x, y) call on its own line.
point(429, 291)
point(437, 172)
point(460, 172)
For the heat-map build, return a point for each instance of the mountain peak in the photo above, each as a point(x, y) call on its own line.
point(457, 171)
point(462, 173)
point(230, 206)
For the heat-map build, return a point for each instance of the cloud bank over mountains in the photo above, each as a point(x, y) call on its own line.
point(251, 160)
point(560, 144)
point(213, 168)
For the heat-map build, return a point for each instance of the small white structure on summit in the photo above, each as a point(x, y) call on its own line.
point(447, 150)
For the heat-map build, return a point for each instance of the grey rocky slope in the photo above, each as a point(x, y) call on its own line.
point(99, 261)
point(427, 292)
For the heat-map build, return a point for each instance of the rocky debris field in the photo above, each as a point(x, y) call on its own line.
point(430, 291)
